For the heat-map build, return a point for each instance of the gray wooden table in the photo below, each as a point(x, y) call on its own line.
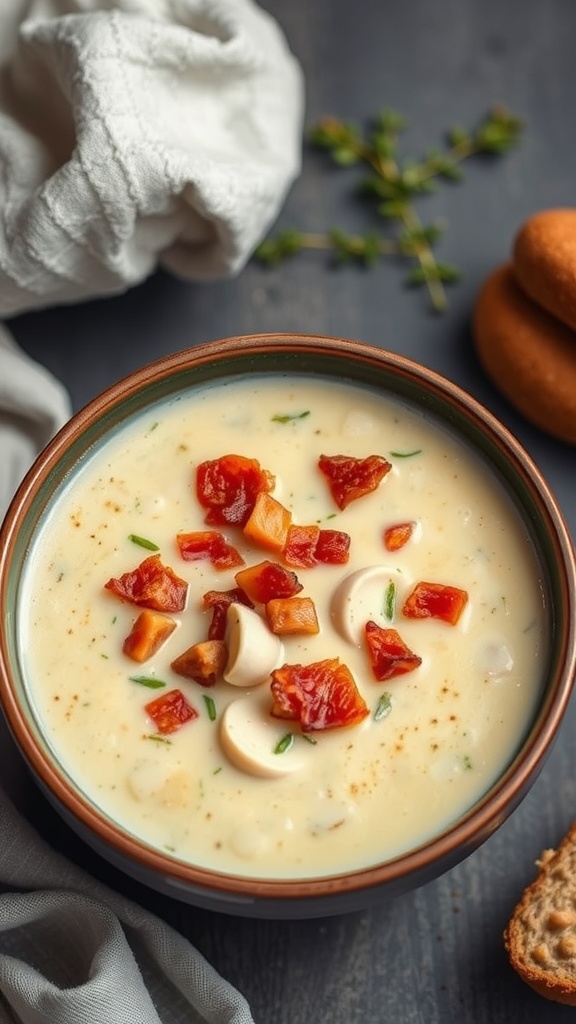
point(434, 956)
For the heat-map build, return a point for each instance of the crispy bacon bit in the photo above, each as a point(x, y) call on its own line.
point(396, 536)
point(319, 696)
point(300, 548)
point(208, 544)
point(147, 635)
point(389, 654)
point(268, 523)
point(308, 545)
point(203, 662)
point(333, 547)
point(228, 487)
point(218, 601)
point(436, 601)
point(350, 478)
point(267, 580)
point(151, 585)
point(292, 616)
point(170, 711)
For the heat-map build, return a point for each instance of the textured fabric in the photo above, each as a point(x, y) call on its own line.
point(71, 950)
point(135, 133)
point(33, 405)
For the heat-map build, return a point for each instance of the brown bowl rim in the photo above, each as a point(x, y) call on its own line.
point(458, 839)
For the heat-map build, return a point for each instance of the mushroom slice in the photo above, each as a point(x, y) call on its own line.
point(363, 595)
point(250, 741)
point(253, 650)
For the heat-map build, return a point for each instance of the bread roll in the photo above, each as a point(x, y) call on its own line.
point(529, 355)
point(540, 937)
point(544, 260)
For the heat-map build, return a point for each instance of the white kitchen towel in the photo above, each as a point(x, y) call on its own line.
point(138, 133)
point(71, 950)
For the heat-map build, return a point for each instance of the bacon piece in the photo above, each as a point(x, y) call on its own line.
point(389, 655)
point(228, 487)
point(208, 544)
point(436, 601)
point(218, 601)
point(151, 585)
point(306, 546)
point(267, 580)
point(170, 711)
point(396, 536)
point(319, 696)
point(350, 478)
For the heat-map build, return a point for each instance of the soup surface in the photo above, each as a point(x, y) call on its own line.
point(235, 787)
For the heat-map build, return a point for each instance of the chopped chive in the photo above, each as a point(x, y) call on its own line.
point(284, 744)
point(157, 738)
point(383, 707)
point(143, 542)
point(210, 707)
point(217, 770)
point(406, 455)
point(288, 418)
point(389, 601)
point(309, 739)
point(150, 681)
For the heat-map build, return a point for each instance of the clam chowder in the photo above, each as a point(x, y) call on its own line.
point(283, 627)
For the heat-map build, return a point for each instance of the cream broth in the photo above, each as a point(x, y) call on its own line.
point(357, 795)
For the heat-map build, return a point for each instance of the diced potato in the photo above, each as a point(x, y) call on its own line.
point(292, 615)
point(203, 662)
point(147, 635)
point(268, 524)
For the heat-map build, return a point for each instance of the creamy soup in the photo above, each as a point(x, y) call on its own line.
point(235, 788)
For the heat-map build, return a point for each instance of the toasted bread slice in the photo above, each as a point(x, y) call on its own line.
point(540, 937)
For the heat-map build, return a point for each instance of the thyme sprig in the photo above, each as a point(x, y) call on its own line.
point(394, 184)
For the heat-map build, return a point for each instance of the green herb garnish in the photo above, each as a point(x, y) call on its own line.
point(158, 739)
point(394, 185)
point(150, 681)
point(406, 455)
point(290, 418)
point(210, 707)
point(143, 542)
point(389, 601)
point(284, 744)
point(383, 707)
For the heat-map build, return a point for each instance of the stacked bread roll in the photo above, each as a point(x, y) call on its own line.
point(524, 323)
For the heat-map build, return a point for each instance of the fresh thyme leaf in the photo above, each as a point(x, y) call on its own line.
point(290, 418)
point(383, 707)
point(284, 744)
point(389, 601)
point(143, 542)
point(406, 455)
point(150, 681)
point(210, 707)
point(394, 185)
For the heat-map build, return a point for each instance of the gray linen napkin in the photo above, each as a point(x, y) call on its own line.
point(71, 950)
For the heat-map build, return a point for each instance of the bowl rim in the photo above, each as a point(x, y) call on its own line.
point(461, 837)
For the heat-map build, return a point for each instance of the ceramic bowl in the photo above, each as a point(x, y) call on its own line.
point(314, 893)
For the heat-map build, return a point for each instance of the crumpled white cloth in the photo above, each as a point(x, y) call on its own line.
point(138, 133)
point(71, 950)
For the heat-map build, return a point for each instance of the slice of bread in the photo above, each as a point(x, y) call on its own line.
point(540, 937)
